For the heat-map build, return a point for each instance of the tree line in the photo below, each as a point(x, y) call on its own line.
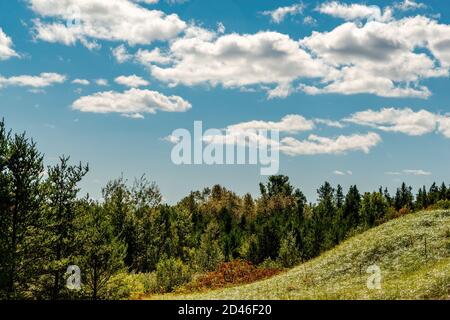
point(46, 226)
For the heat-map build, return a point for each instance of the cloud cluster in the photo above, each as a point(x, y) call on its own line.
point(342, 144)
point(382, 58)
point(236, 60)
point(6, 47)
point(256, 133)
point(36, 82)
point(69, 21)
point(373, 52)
point(132, 103)
point(407, 121)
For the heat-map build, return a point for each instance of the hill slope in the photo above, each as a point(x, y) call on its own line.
point(413, 253)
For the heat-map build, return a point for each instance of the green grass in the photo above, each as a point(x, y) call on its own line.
point(409, 268)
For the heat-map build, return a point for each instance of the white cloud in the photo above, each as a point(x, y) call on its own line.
point(314, 144)
point(154, 56)
point(354, 11)
point(221, 28)
point(171, 139)
point(381, 58)
point(132, 103)
point(83, 82)
point(41, 81)
point(407, 5)
point(329, 123)
point(385, 58)
point(112, 20)
point(309, 21)
point(121, 54)
point(413, 172)
point(289, 123)
point(102, 82)
point(417, 172)
point(407, 121)
point(279, 14)
point(343, 173)
point(132, 81)
point(235, 60)
point(444, 126)
point(6, 47)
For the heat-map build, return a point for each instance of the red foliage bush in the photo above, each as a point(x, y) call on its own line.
point(229, 274)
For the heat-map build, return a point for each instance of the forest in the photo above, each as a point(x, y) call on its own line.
point(131, 242)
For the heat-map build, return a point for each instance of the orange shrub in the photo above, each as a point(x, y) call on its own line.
point(229, 274)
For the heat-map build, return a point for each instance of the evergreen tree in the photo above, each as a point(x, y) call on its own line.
point(102, 252)
point(62, 189)
point(351, 215)
point(404, 197)
point(21, 215)
point(339, 197)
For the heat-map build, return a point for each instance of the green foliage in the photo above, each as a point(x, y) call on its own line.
point(288, 255)
point(102, 253)
point(45, 226)
point(397, 247)
point(209, 255)
point(21, 215)
point(171, 273)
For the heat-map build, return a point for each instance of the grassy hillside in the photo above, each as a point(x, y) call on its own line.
point(413, 253)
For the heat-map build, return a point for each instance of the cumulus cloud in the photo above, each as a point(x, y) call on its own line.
point(83, 82)
point(132, 103)
point(112, 20)
point(315, 145)
point(236, 60)
point(407, 121)
point(121, 54)
point(289, 123)
point(36, 82)
point(132, 81)
point(279, 14)
point(381, 58)
point(388, 58)
point(354, 11)
point(6, 47)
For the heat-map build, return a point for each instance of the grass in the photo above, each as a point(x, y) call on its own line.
point(413, 253)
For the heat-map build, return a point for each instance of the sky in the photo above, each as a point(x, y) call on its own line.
point(358, 90)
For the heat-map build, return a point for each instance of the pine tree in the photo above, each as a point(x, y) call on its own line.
point(62, 190)
point(21, 216)
point(102, 253)
point(351, 213)
point(339, 197)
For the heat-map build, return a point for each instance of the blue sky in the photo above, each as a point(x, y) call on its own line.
point(375, 67)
